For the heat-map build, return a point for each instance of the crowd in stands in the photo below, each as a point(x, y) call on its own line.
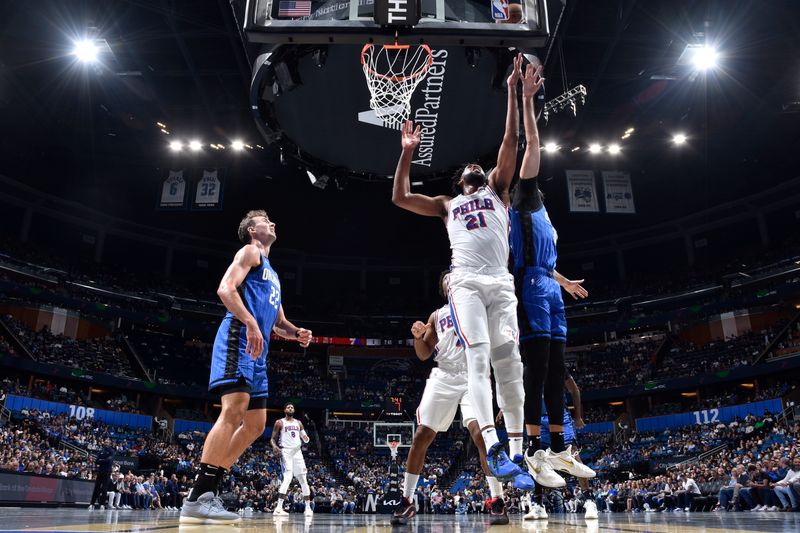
point(598, 367)
point(686, 358)
point(99, 354)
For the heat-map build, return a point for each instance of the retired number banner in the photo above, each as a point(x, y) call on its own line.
point(582, 191)
point(208, 190)
point(173, 190)
point(618, 191)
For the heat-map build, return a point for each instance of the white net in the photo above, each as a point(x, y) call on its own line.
point(393, 73)
point(393, 448)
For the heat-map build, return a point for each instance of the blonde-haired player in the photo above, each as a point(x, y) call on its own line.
point(292, 435)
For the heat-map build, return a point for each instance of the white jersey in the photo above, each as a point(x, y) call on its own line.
point(449, 353)
point(478, 227)
point(290, 434)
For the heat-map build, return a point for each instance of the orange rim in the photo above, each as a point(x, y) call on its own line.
point(420, 72)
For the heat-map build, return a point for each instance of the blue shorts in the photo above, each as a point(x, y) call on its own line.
point(230, 365)
point(542, 308)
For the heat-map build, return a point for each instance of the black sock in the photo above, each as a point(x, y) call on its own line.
point(205, 481)
point(220, 474)
point(534, 442)
point(557, 441)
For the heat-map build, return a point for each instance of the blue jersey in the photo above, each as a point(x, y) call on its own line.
point(230, 363)
point(261, 294)
point(533, 240)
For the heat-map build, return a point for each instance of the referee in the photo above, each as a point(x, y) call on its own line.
point(104, 462)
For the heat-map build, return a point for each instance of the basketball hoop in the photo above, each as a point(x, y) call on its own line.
point(393, 445)
point(393, 72)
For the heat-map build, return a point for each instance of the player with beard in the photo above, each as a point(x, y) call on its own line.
point(292, 435)
point(482, 299)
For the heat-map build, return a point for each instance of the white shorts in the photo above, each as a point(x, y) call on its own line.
point(484, 306)
point(293, 462)
point(444, 393)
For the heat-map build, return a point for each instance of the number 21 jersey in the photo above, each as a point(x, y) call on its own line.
point(478, 226)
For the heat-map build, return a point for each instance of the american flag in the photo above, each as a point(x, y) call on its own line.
point(294, 8)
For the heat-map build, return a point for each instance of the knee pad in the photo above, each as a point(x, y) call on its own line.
point(510, 390)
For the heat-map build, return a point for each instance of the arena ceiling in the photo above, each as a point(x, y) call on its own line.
point(89, 133)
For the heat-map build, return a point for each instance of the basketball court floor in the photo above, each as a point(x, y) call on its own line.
point(30, 520)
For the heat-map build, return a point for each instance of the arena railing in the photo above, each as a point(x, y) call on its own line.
point(701, 457)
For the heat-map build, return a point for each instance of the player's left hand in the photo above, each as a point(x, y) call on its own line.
point(304, 337)
point(516, 72)
point(575, 289)
point(579, 423)
point(498, 420)
point(532, 81)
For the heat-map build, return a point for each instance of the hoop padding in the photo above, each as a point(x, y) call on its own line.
point(393, 73)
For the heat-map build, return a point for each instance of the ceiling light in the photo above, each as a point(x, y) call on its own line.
point(575, 149)
point(176, 146)
point(625, 136)
point(195, 145)
point(85, 51)
point(679, 138)
point(629, 131)
point(705, 58)
point(551, 147)
point(237, 145)
point(595, 148)
point(613, 149)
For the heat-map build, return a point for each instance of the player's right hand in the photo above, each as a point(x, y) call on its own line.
point(411, 137)
point(418, 330)
point(498, 420)
point(276, 449)
point(255, 342)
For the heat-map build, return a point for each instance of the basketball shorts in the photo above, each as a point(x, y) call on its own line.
point(231, 365)
point(293, 462)
point(542, 309)
point(483, 305)
point(570, 434)
point(444, 393)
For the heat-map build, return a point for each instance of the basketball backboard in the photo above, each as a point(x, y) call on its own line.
point(441, 22)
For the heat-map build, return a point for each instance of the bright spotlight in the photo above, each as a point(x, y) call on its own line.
point(237, 145)
point(679, 138)
point(85, 51)
point(705, 58)
point(613, 149)
point(551, 147)
point(595, 148)
point(195, 146)
point(176, 146)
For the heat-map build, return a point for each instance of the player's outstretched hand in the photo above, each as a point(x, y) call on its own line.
point(255, 342)
point(304, 337)
point(579, 423)
point(516, 72)
point(575, 289)
point(418, 329)
point(411, 136)
point(532, 81)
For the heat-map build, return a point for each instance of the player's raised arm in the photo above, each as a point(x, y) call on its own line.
point(531, 83)
point(425, 338)
point(246, 258)
point(401, 193)
point(289, 331)
point(502, 175)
